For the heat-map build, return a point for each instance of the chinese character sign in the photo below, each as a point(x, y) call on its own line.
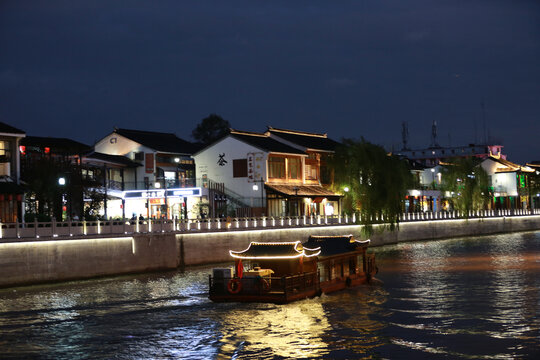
point(255, 163)
point(221, 160)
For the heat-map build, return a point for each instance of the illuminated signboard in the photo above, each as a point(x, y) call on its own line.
point(155, 194)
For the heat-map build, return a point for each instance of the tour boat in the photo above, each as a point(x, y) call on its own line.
point(281, 272)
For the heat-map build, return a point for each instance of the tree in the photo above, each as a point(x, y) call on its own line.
point(377, 182)
point(468, 185)
point(210, 129)
point(44, 196)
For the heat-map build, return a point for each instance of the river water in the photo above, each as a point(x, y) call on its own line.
point(470, 298)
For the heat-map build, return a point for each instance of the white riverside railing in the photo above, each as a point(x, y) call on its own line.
point(78, 229)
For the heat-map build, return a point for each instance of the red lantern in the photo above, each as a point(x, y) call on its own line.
point(1, 197)
point(10, 197)
point(19, 197)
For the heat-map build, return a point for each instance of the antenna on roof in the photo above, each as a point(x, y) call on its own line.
point(405, 134)
point(486, 137)
point(434, 134)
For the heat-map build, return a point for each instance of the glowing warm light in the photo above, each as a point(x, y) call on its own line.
point(297, 245)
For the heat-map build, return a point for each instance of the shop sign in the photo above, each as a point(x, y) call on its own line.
point(149, 163)
point(156, 194)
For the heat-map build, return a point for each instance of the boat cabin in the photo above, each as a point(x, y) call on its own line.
point(282, 272)
point(342, 262)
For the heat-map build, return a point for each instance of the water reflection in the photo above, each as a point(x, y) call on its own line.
point(288, 331)
point(474, 298)
point(465, 291)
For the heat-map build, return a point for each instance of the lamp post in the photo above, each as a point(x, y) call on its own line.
point(62, 183)
point(256, 188)
point(296, 188)
point(346, 189)
point(147, 186)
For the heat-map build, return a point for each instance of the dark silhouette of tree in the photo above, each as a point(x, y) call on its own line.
point(210, 129)
point(44, 193)
point(377, 182)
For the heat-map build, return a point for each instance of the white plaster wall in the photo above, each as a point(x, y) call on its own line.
point(505, 183)
point(125, 147)
point(207, 163)
point(427, 177)
point(114, 144)
point(501, 182)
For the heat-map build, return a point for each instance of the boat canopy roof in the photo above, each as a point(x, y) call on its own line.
point(334, 245)
point(276, 250)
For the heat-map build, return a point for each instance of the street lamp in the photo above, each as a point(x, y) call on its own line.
point(256, 188)
point(62, 183)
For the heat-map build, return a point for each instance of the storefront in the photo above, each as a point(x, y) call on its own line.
point(179, 203)
point(289, 200)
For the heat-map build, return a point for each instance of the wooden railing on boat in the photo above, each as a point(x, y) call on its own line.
point(279, 289)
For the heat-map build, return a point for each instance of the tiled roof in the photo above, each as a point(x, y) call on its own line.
point(114, 159)
point(334, 245)
point(274, 250)
point(265, 142)
point(57, 145)
point(310, 141)
point(508, 166)
point(8, 129)
point(164, 142)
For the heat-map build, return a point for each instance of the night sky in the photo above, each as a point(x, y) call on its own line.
point(356, 68)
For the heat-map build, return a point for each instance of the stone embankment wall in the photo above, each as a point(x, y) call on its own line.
point(32, 262)
point(41, 261)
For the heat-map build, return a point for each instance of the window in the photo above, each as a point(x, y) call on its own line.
point(240, 168)
point(312, 166)
point(311, 172)
point(294, 168)
point(5, 154)
point(276, 167)
point(138, 156)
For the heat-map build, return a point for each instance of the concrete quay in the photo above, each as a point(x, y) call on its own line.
point(37, 261)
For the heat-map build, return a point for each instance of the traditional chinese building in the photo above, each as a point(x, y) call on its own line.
point(277, 173)
point(11, 191)
point(434, 155)
point(313, 195)
point(50, 169)
point(510, 183)
point(165, 184)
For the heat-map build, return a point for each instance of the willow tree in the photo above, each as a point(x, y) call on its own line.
point(467, 183)
point(376, 182)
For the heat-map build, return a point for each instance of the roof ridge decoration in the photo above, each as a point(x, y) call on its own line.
point(510, 166)
point(144, 131)
point(248, 133)
point(297, 246)
point(297, 132)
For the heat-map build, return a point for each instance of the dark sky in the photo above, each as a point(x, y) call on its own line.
point(349, 68)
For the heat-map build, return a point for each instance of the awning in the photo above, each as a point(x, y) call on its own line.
point(313, 191)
